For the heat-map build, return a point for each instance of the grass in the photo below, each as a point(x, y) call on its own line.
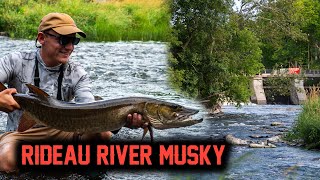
point(112, 20)
point(306, 129)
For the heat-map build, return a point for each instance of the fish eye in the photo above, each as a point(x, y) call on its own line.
point(176, 107)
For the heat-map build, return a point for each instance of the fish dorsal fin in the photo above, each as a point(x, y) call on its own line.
point(37, 91)
point(98, 98)
point(2, 87)
point(26, 122)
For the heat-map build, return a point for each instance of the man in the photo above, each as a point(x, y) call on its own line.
point(48, 68)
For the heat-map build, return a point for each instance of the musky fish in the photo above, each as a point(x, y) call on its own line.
point(99, 116)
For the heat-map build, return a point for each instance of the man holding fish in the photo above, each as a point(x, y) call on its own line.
point(49, 69)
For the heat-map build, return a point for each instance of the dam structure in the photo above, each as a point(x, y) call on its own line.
point(298, 93)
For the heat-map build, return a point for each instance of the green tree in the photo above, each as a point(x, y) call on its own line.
point(308, 14)
point(278, 25)
point(212, 57)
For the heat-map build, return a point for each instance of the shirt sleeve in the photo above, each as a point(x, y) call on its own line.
point(6, 68)
point(82, 90)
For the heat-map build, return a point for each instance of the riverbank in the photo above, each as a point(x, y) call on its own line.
point(306, 129)
point(113, 20)
point(113, 68)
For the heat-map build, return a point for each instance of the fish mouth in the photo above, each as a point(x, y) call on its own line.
point(185, 116)
point(189, 121)
point(184, 119)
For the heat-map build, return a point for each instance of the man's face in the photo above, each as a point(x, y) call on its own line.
point(52, 51)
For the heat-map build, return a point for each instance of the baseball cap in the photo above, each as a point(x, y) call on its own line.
point(61, 23)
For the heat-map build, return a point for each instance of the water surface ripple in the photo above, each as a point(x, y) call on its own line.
point(139, 69)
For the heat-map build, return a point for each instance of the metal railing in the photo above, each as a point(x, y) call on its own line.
point(284, 71)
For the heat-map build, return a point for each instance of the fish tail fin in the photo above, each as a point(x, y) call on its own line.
point(37, 91)
point(2, 87)
point(26, 122)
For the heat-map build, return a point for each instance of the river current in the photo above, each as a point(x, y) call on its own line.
point(124, 69)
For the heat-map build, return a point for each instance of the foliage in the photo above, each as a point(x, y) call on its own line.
point(212, 57)
point(109, 21)
point(280, 87)
point(215, 49)
point(307, 126)
point(288, 30)
point(310, 24)
point(283, 43)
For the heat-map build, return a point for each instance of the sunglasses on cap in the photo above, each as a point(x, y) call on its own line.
point(64, 40)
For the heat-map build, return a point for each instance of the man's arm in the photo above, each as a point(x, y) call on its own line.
point(7, 103)
point(7, 65)
point(82, 90)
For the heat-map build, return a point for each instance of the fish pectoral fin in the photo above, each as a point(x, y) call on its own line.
point(37, 91)
point(145, 130)
point(26, 122)
point(151, 133)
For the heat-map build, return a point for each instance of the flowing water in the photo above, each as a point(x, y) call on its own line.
point(139, 69)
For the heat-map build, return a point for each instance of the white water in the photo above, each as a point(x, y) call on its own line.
point(139, 69)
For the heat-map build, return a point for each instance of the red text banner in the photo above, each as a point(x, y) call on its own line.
point(161, 155)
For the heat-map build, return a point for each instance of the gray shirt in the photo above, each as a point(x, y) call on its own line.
point(17, 69)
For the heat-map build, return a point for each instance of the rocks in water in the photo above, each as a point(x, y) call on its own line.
point(4, 34)
point(267, 142)
point(315, 159)
point(275, 139)
point(297, 143)
point(235, 141)
point(259, 136)
point(262, 145)
point(276, 124)
point(212, 109)
point(283, 130)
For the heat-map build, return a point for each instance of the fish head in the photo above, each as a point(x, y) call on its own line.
point(170, 115)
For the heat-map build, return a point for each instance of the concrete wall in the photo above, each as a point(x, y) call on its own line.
point(259, 96)
point(297, 91)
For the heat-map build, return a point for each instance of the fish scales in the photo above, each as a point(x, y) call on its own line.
point(83, 118)
point(99, 116)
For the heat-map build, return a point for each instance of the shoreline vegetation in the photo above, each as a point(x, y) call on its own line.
point(306, 129)
point(111, 20)
point(146, 20)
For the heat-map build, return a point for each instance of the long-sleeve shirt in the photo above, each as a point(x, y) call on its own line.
point(18, 69)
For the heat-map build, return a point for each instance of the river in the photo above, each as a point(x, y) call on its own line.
point(123, 69)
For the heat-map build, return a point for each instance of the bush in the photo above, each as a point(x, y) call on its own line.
point(307, 126)
point(113, 20)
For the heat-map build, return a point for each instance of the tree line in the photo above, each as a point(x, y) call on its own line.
point(216, 47)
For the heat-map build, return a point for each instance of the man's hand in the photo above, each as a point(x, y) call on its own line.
point(7, 103)
point(134, 121)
